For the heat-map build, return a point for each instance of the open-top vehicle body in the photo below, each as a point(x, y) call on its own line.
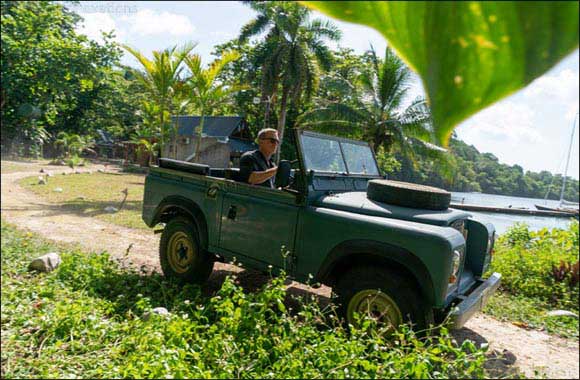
point(392, 250)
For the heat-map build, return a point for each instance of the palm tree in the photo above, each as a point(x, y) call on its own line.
point(205, 91)
point(376, 115)
point(161, 78)
point(292, 53)
point(71, 144)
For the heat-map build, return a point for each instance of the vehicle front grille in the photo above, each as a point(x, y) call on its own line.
point(459, 225)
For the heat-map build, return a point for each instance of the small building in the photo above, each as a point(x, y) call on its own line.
point(224, 140)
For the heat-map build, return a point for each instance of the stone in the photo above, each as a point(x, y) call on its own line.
point(561, 313)
point(82, 198)
point(101, 171)
point(157, 311)
point(41, 170)
point(57, 190)
point(111, 209)
point(45, 263)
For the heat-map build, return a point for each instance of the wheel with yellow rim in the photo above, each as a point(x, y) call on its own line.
point(382, 295)
point(182, 257)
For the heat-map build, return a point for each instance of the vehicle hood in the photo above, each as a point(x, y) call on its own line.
point(358, 202)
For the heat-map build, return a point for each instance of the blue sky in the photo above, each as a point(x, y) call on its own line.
point(531, 128)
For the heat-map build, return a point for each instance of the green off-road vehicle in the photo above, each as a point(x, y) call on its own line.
point(392, 250)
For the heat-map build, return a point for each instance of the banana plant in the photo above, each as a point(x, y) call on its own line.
point(162, 80)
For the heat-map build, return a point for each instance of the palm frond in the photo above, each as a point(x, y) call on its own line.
point(253, 28)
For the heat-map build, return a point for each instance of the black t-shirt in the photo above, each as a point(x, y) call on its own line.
point(254, 161)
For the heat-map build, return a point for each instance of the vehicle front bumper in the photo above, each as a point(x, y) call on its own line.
point(474, 302)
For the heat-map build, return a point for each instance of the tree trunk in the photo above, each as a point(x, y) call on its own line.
point(198, 143)
point(282, 121)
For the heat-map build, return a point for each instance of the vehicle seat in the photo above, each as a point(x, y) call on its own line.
point(217, 172)
point(233, 174)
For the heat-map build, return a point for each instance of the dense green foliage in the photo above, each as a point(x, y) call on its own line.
point(55, 80)
point(539, 273)
point(529, 263)
point(469, 54)
point(86, 319)
point(482, 172)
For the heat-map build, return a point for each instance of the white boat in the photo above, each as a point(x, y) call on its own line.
point(565, 206)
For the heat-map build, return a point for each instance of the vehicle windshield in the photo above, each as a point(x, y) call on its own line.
point(337, 156)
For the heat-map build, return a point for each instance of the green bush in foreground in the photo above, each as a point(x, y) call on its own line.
point(85, 320)
point(537, 276)
point(531, 264)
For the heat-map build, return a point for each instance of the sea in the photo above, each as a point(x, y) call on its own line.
point(503, 222)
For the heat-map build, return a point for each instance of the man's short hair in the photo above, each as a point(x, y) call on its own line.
point(266, 130)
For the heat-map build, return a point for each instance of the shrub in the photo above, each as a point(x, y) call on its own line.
point(85, 319)
point(540, 264)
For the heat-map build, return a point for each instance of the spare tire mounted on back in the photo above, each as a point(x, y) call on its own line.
point(408, 194)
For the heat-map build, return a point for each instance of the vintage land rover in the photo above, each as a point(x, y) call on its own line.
point(392, 250)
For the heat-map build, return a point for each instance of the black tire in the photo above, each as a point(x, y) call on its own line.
point(408, 194)
point(181, 255)
point(398, 288)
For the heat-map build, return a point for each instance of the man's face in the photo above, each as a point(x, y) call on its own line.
point(269, 143)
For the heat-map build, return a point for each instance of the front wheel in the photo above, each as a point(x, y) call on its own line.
point(181, 255)
point(383, 295)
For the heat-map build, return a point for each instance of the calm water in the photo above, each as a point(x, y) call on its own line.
point(503, 221)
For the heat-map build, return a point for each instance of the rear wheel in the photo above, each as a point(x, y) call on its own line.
point(385, 296)
point(181, 255)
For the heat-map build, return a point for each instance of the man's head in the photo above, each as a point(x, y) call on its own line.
point(268, 141)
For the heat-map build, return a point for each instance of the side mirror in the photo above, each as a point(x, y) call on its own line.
point(283, 173)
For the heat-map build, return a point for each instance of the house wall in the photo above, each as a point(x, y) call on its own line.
point(213, 153)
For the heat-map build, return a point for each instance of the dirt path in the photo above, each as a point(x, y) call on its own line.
point(535, 353)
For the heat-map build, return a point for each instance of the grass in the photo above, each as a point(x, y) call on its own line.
point(530, 313)
point(530, 287)
point(86, 320)
point(89, 195)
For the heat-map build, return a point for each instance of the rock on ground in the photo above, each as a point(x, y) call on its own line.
point(45, 263)
point(157, 311)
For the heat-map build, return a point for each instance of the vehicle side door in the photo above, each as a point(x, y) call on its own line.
point(259, 223)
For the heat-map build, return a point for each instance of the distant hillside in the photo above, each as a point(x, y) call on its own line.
point(483, 172)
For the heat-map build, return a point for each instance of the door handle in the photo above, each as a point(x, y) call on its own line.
point(232, 212)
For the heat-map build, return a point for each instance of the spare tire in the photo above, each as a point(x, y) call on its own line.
point(408, 194)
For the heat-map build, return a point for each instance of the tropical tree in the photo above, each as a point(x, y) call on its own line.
point(292, 54)
point(53, 78)
point(71, 144)
point(206, 92)
point(375, 113)
point(162, 80)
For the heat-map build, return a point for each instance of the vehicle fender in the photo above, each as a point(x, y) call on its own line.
point(178, 205)
point(369, 252)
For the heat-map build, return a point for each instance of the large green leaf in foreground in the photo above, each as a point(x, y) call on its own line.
point(469, 54)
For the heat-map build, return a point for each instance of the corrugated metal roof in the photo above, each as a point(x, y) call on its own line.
point(214, 126)
point(237, 145)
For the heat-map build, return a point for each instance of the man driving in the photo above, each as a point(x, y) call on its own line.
point(256, 166)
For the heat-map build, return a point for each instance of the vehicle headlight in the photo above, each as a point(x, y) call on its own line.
point(456, 265)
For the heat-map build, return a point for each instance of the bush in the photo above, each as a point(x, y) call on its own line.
point(540, 264)
point(85, 319)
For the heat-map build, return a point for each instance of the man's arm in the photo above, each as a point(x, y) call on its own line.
point(260, 177)
point(249, 175)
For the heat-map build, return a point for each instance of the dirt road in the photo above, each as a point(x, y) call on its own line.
point(535, 353)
